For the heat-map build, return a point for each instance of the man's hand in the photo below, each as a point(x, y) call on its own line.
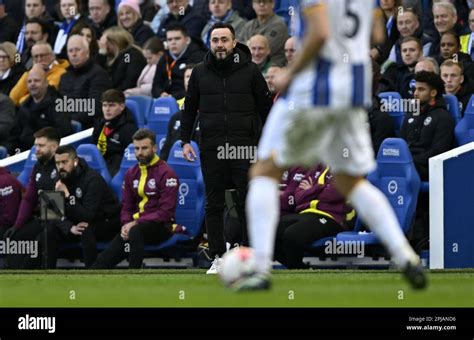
point(126, 228)
point(79, 228)
point(306, 184)
point(189, 153)
point(60, 186)
point(282, 80)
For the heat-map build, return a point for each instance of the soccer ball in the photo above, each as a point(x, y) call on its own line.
point(237, 264)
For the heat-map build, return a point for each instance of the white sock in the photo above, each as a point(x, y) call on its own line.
point(375, 210)
point(263, 208)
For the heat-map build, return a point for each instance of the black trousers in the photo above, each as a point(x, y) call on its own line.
point(99, 231)
point(134, 248)
point(220, 175)
point(298, 231)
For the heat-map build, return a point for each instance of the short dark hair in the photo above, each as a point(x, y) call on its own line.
point(40, 22)
point(452, 33)
point(49, 133)
point(408, 39)
point(432, 79)
point(144, 133)
point(113, 96)
point(154, 44)
point(69, 149)
point(221, 24)
point(177, 27)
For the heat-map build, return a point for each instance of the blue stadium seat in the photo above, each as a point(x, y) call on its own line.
point(159, 116)
point(76, 126)
point(453, 106)
point(393, 100)
point(138, 114)
point(128, 160)
point(94, 159)
point(3, 152)
point(397, 178)
point(144, 104)
point(464, 130)
point(191, 198)
point(29, 164)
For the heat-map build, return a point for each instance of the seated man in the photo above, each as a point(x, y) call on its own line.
point(430, 131)
point(36, 30)
point(150, 192)
point(113, 132)
point(84, 81)
point(320, 212)
point(456, 83)
point(42, 54)
point(10, 198)
point(169, 73)
point(38, 111)
point(450, 49)
point(92, 209)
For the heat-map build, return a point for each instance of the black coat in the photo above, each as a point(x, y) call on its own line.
point(33, 116)
point(194, 54)
point(86, 82)
point(9, 29)
point(127, 68)
point(110, 20)
point(465, 94)
point(123, 128)
point(141, 33)
point(191, 20)
point(428, 134)
point(397, 78)
point(91, 200)
point(232, 98)
point(7, 84)
point(381, 125)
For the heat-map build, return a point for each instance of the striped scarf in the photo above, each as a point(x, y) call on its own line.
point(20, 43)
point(214, 20)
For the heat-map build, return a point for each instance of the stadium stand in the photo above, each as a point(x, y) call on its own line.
point(453, 106)
point(144, 105)
point(159, 116)
point(94, 159)
point(128, 161)
point(392, 101)
point(137, 113)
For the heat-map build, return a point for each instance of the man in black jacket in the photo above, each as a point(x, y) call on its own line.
point(113, 132)
point(101, 17)
point(91, 208)
point(430, 131)
point(233, 101)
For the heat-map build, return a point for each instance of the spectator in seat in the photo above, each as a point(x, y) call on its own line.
point(260, 50)
point(39, 110)
point(450, 48)
point(85, 30)
point(129, 18)
point(427, 64)
point(124, 61)
point(290, 50)
point(43, 177)
point(113, 132)
point(43, 55)
point(71, 13)
point(8, 26)
point(10, 198)
point(35, 31)
point(84, 79)
point(182, 13)
point(398, 77)
point(10, 67)
point(222, 11)
point(272, 26)
point(456, 83)
point(153, 50)
point(101, 16)
point(291, 179)
point(150, 192)
point(389, 9)
point(467, 40)
point(272, 73)
point(320, 212)
point(7, 119)
point(430, 131)
point(182, 50)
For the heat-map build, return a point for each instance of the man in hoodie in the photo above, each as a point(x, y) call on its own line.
point(113, 132)
point(233, 101)
point(430, 131)
point(39, 111)
point(182, 50)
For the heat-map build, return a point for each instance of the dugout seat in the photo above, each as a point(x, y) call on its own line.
point(137, 113)
point(397, 178)
point(28, 167)
point(393, 101)
point(144, 105)
point(159, 116)
point(464, 130)
point(128, 160)
point(452, 104)
point(94, 159)
point(191, 198)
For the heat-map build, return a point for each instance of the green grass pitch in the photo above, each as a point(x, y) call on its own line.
point(192, 288)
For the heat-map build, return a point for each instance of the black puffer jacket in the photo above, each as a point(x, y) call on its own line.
point(428, 134)
point(126, 68)
point(122, 129)
point(232, 98)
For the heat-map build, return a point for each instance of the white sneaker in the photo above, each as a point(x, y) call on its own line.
point(214, 266)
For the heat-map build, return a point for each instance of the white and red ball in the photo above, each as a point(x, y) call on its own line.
point(237, 264)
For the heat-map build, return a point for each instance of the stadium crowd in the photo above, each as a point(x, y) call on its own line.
point(69, 65)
